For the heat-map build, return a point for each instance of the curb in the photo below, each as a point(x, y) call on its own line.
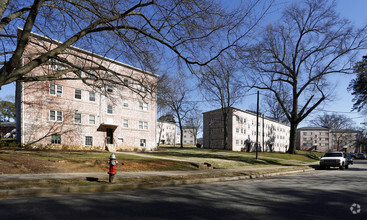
point(114, 187)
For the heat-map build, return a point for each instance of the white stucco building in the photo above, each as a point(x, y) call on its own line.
point(272, 135)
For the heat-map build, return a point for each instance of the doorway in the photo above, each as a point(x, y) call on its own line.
point(109, 134)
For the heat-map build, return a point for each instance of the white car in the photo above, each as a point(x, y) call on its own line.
point(334, 159)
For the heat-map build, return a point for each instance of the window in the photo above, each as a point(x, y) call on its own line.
point(143, 106)
point(88, 140)
point(55, 139)
point(126, 82)
point(126, 123)
point(143, 125)
point(93, 74)
point(125, 103)
point(237, 130)
point(143, 142)
point(79, 73)
point(109, 88)
point(143, 88)
point(78, 94)
point(77, 118)
point(109, 109)
point(237, 142)
point(55, 64)
point(92, 119)
point(55, 115)
point(55, 89)
point(92, 96)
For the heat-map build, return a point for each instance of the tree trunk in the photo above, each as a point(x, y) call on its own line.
point(292, 138)
point(225, 125)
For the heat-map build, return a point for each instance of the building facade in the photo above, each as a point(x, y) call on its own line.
point(326, 140)
point(272, 135)
point(167, 133)
point(189, 135)
point(88, 113)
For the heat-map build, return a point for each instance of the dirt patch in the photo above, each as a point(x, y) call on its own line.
point(12, 162)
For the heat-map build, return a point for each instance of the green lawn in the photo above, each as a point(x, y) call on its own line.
point(228, 159)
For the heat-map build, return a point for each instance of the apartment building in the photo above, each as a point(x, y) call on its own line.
point(272, 135)
point(325, 139)
point(189, 135)
point(167, 133)
point(89, 113)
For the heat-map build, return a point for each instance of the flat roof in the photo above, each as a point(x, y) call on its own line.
point(248, 112)
point(91, 53)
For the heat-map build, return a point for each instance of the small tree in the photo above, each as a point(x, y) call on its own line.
point(7, 110)
point(195, 122)
point(175, 96)
point(220, 86)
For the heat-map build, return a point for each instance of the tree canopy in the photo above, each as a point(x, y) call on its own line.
point(7, 110)
point(139, 33)
point(358, 86)
point(296, 54)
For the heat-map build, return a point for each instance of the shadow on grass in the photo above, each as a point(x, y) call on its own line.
point(239, 158)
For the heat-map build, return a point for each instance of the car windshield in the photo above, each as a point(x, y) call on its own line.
point(333, 155)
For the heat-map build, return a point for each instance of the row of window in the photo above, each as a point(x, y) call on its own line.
point(57, 90)
point(58, 116)
point(56, 139)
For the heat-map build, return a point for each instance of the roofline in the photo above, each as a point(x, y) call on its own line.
point(248, 112)
point(91, 53)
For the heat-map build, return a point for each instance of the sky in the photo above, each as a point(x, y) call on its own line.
point(355, 11)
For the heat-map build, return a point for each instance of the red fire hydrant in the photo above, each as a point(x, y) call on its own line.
point(112, 171)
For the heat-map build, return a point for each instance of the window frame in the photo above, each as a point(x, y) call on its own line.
point(109, 109)
point(92, 96)
point(88, 141)
point(94, 120)
point(79, 119)
point(75, 94)
point(55, 139)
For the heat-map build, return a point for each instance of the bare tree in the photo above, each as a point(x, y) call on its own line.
point(175, 98)
point(309, 43)
point(194, 121)
point(136, 32)
point(333, 121)
point(220, 86)
point(273, 108)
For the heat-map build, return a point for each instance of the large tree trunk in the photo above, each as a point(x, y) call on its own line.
point(292, 138)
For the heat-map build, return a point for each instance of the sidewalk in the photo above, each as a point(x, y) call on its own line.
point(141, 179)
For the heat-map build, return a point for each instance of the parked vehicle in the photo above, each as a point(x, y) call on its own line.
point(353, 155)
point(361, 156)
point(349, 159)
point(334, 159)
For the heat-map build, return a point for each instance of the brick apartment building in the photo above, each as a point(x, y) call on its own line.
point(167, 133)
point(69, 112)
point(325, 139)
point(273, 135)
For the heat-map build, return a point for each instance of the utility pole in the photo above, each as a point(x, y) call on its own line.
point(263, 144)
point(257, 127)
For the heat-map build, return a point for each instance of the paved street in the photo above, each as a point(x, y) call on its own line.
point(325, 194)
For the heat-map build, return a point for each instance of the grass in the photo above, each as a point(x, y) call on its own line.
point(6, 185)
point(222, 159)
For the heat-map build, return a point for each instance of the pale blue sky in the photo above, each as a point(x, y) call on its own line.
point(354, 10)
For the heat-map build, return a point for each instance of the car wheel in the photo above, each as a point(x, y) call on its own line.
point(322, 167)
point(341, 167)
point(346, 166)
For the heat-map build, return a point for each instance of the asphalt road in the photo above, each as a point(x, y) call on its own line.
point(321, 194)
